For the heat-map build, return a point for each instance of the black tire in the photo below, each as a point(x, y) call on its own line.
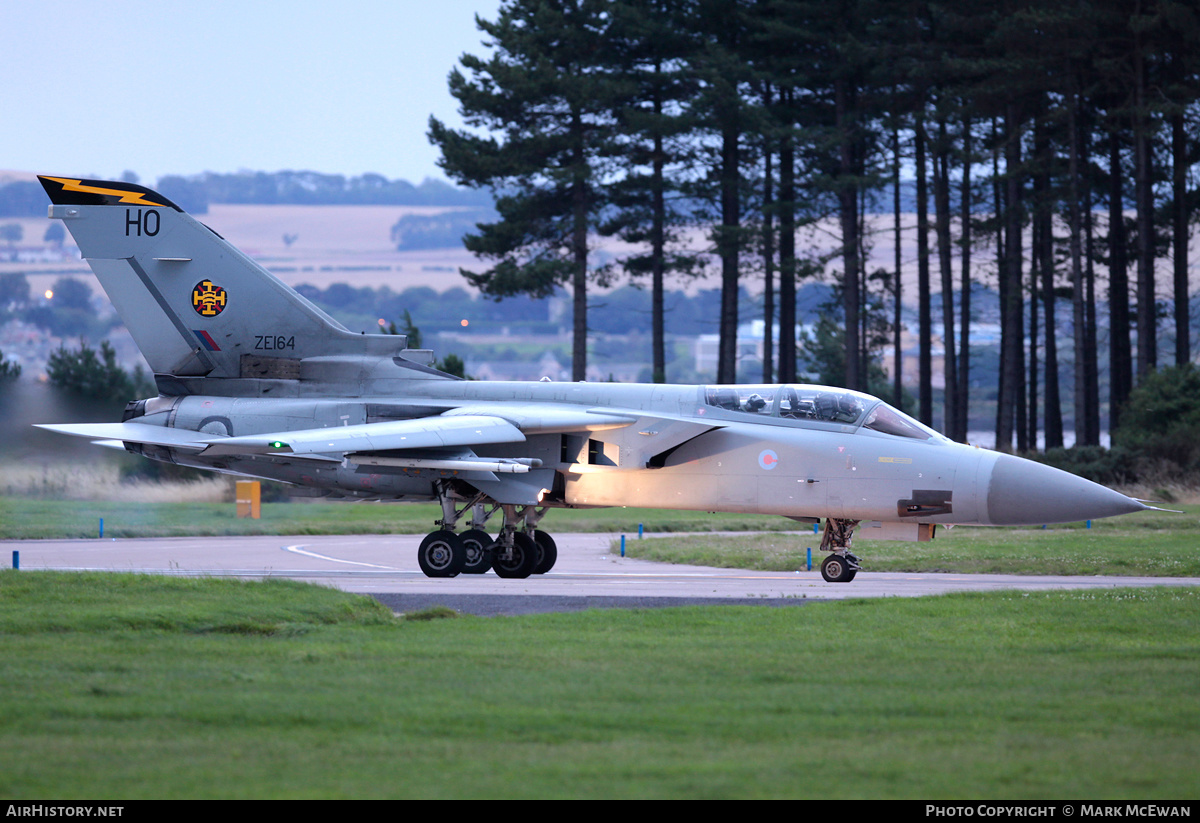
point(478, 544)
point(522, 562)
point(836, 569)
point(547, 552)
point(441, 554)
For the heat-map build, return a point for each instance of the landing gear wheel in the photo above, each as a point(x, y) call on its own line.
point(836, 569)
point(521, 562)
point(477, 543)
point(441, 554)
point(547, 552)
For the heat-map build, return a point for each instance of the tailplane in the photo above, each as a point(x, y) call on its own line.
point(195, 305)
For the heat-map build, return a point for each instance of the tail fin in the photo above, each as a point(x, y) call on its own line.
point(195, 305)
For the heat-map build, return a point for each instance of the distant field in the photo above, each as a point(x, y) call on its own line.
point(348, 244)
point(352, 244)
point(336, 243)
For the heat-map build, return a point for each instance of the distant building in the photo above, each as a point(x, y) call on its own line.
point(749, 345)
point(549, 366)
point(38, 254)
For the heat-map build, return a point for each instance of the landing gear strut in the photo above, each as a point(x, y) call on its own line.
point(841, 566)
point(514, 554)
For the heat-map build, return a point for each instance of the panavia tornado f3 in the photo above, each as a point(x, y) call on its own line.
point(254, 380)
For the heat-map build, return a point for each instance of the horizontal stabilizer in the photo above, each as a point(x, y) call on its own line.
point(133, 433)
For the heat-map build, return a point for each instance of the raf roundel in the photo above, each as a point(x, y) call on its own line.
point(208, 299)
point(768, 459)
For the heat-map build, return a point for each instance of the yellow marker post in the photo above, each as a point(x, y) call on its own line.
point(249, 499)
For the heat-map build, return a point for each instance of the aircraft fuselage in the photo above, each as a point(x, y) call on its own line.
point(704, 457)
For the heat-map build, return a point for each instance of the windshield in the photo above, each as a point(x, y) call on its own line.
point(819, 403)
point(884, 418)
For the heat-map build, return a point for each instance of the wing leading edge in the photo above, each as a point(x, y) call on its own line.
point(418, 443)
point(423, 433)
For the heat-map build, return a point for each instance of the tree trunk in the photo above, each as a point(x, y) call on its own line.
point(1077, 296)
point(580, 251)
point(1091, 355)
point(998, 210)
point(898, 356)
point(1120, 349)
point(1012, 364)
point(964, 346)
point(848, 208)
point(1147, 324)
point(941, 201)
point(658, 247)
point(1034, 269)
point(1044, 251)
point(1183, 344)
point(787, 254)
point(925, 318)
point(768, 252)
point(728, 243)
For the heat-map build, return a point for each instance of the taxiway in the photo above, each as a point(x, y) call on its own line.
point(590, 573)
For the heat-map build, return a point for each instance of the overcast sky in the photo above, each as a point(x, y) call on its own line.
point(95, 87)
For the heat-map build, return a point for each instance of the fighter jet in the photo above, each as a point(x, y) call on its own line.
point(253, 380)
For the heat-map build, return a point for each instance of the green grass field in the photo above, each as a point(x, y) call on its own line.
point(122, 686)
point(25, 518)
point(1155, 544)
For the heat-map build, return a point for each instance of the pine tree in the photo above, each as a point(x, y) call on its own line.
point(93, 374)
point(719, 107)
point(547, 96)
point(652, 44)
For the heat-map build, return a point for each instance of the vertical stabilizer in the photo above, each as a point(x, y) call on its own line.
point(194, 304)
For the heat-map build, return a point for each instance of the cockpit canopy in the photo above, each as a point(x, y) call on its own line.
point(817, 405)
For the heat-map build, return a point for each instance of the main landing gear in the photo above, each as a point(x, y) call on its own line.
point(841, 566)
point(513, 553)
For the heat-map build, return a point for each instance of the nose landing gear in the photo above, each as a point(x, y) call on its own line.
point(841, 566)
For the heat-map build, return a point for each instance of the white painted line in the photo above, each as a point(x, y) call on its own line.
point(299, 549)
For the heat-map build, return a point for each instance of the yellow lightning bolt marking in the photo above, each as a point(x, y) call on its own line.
point(131, 197)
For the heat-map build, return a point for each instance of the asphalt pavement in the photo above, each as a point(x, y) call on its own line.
point(589, 574)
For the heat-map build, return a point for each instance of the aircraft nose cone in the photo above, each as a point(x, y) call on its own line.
point(1022, 492)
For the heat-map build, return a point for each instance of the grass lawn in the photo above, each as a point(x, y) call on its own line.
point(1147, 543)
point(124, 686)
point(23, 518)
